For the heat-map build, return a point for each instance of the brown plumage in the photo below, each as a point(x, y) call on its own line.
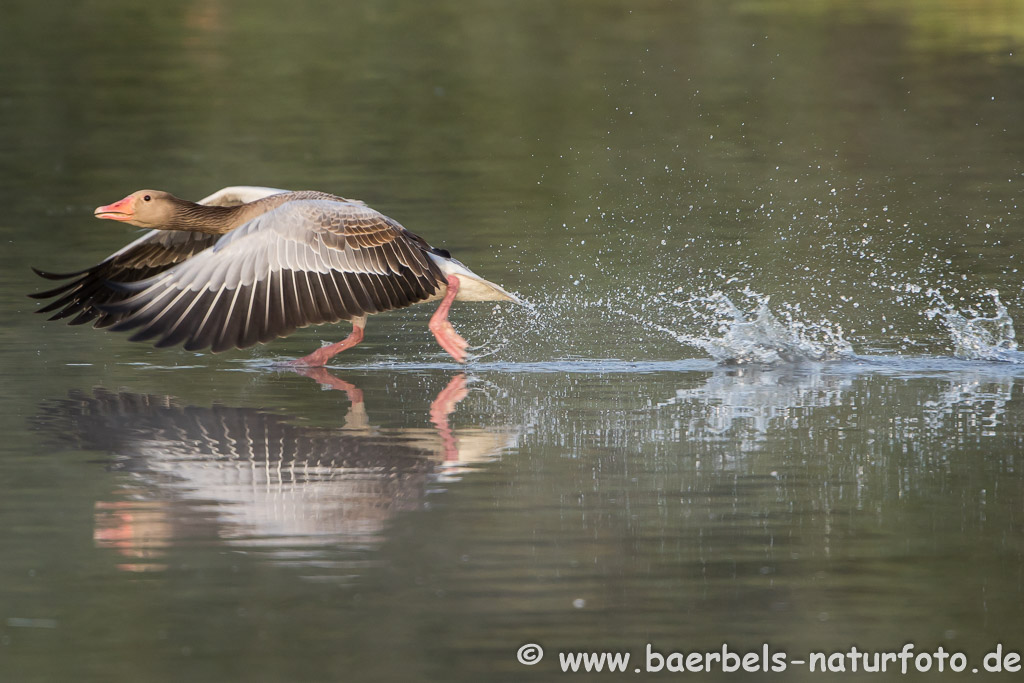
point(231, 273)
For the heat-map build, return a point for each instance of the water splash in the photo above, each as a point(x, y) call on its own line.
point(761, 336)
point(976, 336)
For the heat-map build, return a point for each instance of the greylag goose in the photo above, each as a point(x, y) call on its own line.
point(250, 264)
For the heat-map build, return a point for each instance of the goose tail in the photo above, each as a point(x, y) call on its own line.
point(473, 287)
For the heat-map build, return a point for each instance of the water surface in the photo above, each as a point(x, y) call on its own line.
point(768, 392)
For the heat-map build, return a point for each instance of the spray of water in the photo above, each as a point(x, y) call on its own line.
point(741, 327)
point(777, 277)
point(764, 337)
point(974, 335)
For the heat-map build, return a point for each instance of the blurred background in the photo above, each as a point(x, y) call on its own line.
point(670, 184)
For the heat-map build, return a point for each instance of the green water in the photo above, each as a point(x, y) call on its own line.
point(593, 479)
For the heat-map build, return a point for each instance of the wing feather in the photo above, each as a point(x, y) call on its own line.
point(202, 337)
point(89, 290)
point(179, 331)
point(323, 300)
point(357, 288)
point(231, 328)
point(170, 312)
point(249, 333)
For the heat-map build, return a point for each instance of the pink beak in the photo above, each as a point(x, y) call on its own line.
point(118, 211)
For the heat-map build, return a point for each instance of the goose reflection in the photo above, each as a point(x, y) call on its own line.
point(261, 479)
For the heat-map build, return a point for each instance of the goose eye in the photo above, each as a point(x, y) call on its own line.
point(146, 198)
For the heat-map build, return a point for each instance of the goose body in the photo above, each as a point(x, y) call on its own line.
point(247, 265)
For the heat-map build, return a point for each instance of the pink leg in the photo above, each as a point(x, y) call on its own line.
point(443, 331)
point(319, 358)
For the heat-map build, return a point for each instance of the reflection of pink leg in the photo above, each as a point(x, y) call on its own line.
point(319, 358)
point(355, 394)
point(356, 418)
point(443, 331)
point(442, 407)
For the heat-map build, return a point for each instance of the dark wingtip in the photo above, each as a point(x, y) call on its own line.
point(57, 291)
point(85, 316)
point(127, 287)
point(195, 345)
point(54, 305)
point(115, 309)
point(55, 276)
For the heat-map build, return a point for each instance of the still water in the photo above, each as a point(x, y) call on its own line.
point(767, 391)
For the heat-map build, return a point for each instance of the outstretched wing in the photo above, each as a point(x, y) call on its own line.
point(305, 262)
point(90, 289)
point(152, 253)
point(239, 194)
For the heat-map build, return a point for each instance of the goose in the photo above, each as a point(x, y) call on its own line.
point(247, 265)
